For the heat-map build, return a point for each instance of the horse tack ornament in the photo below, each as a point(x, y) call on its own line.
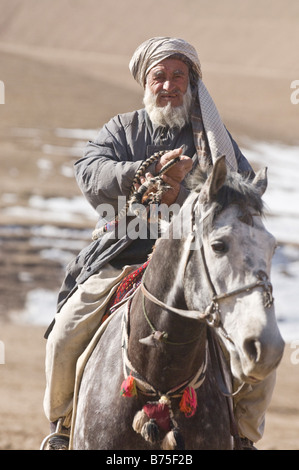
point(212, 314)
point(265, 283)
point(156, 417)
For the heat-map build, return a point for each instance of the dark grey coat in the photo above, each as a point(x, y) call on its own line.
point(106, 172)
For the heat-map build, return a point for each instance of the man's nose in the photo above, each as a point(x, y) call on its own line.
point(168, 85)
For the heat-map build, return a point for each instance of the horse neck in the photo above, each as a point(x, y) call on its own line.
point(165, 364)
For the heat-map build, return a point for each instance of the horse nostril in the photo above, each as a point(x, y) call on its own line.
point(252, 347)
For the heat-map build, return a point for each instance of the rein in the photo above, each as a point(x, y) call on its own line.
point(158, 335)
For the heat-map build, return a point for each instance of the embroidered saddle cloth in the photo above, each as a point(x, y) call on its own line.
point(126, 288)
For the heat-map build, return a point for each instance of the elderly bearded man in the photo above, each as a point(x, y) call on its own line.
point(179, 113)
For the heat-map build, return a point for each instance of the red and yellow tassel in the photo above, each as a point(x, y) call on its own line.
point(188, 403)
point(128, 387)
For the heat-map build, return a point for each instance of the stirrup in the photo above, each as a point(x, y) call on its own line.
point(247, 444)
point(60, 439)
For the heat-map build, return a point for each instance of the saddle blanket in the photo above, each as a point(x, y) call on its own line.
point(126, 287)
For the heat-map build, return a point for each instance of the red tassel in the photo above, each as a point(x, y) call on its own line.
point(159, 411)
point(188, 403)
point(128, 387)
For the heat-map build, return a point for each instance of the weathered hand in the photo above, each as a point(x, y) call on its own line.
point(169, 196)
point(179, 171)
point(175, 175)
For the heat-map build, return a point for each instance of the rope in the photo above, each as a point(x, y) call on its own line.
point(161, 335)
point(135, 196)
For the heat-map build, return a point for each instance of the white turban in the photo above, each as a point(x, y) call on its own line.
point(151, 53)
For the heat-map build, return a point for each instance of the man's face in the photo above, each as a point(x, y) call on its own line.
point(169, 81)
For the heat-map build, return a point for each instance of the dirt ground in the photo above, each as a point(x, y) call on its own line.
point(64, 69)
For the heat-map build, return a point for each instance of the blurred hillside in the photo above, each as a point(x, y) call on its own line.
point(248, 50)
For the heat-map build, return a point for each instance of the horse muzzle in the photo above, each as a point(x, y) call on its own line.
point(259, 358)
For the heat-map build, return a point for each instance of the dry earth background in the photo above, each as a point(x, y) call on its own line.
point(65, 66)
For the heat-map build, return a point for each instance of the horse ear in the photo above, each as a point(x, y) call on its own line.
point(217, 177)
point(260, 181)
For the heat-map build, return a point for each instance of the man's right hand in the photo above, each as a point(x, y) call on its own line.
point(175, 175)
point(179, 171)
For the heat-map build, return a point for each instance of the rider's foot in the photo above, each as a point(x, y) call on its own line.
point(247, 444)
point(58, 439)
point(58, 443)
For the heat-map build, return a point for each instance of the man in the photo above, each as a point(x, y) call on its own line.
point(179, 113)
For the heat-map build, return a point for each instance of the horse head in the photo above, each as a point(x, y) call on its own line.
point(233, 263)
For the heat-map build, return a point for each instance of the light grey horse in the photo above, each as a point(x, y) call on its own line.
point(207, 285)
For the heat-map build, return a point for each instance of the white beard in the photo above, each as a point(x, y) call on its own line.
point(168, 116)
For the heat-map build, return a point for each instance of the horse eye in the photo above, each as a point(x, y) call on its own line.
point(219, 246)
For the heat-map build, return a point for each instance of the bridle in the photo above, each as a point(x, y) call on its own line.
point(211, 314)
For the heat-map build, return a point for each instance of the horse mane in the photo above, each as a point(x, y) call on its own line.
point(237, 189)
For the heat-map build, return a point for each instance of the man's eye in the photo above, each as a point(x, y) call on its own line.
point(159, 77)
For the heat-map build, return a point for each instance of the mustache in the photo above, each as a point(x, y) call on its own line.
point(167, 93)
point(172, 92)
